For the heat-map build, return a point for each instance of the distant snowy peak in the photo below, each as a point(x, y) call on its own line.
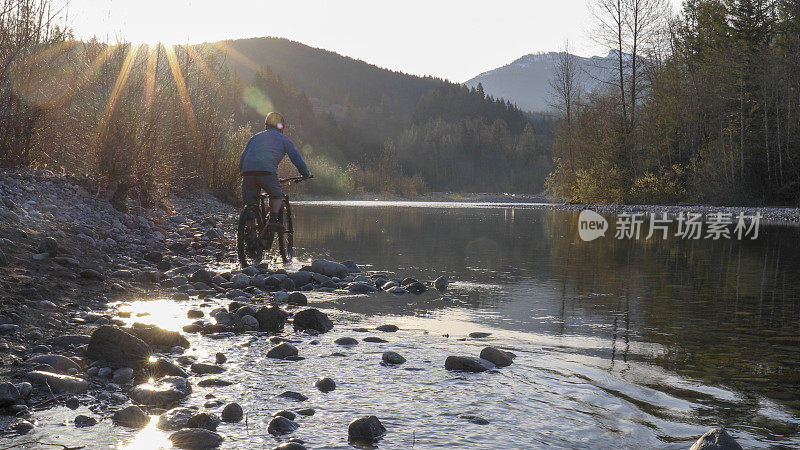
point(525, 81)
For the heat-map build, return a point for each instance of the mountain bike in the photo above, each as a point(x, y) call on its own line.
point(254, 239)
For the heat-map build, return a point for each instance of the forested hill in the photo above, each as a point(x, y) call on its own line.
point(328, 76)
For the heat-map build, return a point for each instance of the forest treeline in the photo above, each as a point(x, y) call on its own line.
point(143, 121)
point(702, 107)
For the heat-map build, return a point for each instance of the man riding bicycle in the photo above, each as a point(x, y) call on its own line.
point(258, 166)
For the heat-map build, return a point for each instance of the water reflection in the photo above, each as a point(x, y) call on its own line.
point(725, 313)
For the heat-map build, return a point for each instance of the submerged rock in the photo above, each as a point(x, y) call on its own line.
point(131, 417)
point(232, 412)
point(392, 358)
point(117, 347)
point(374, 339)
point(346, 341)
point(467, 364)
point(329, 268)
point(175, 418)
point(312, 319)
point(496, 356)
point(161, 393)
point(281, 425)
point(325, 384)
point(292, 395)
point(716, 439)
point(366, 428)
point(282, 351)
point(387, 328)
point(203, 368)
point(441, 283)
point(82, 421)
point(195, 438)
point(290, 446)
point(204, 420)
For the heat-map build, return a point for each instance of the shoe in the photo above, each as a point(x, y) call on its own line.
point(276, 226)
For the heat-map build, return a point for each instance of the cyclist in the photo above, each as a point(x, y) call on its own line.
point(258, 166)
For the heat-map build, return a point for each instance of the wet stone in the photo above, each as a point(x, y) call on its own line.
point(325, 384)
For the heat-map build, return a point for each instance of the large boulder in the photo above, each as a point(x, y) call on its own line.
point(467, 364)
point(329, 268)
point(716, 439)
point(232, 412)
point(159, 337)
point(312, 319)
point(8, 394)
point(271, 319)
point(392, 358)
point(162, 393)
point(496, 356)
point(367, 428)
point(195, 438)
point(117, 347)
point(61, 383)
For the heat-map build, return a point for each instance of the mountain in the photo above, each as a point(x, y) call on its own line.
point(526, 81)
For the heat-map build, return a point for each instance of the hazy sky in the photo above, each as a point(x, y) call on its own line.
point(453, 39)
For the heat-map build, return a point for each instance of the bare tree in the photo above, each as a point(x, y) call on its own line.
point(566, 84)
point(611, 18)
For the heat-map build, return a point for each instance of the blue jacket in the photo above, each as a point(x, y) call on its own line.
point(265, 151)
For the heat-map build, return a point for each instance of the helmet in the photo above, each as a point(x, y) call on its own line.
point(274, 120)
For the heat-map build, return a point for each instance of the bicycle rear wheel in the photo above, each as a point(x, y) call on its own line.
point(249, 247)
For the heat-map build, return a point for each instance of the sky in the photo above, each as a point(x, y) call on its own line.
point(452, 39)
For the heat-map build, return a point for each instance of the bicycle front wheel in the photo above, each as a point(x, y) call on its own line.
point(248, 244)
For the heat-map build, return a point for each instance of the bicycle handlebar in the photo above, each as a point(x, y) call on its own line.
point(294, 179)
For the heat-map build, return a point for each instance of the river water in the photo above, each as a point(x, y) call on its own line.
point(620, 343)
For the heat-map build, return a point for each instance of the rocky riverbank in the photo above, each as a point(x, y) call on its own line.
point(69, 257)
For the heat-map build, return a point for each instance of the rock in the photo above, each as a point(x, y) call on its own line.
point(24, 389)
point(281, 425)
point(280, 297)
point(415, 288)
point(374, 339)
point(232, 412)
point(352, 267)
point(131, 417)
point(8, 328)
point(329, 268)
point(123, 375)
point(82, 421)
point(361, 288)
point(467, 364)
point(214, 382)
point(250, 323)
point(161, 367)
point(159, 337)
point(220, 358)
point(441, 283)
point(62, 383)
point(387, 328)
point(479, 335)
point(61, 364)
point(161, 393)
point(204, 420)
point(203, 368)
point(392, 358)
point(21, 426)
point(194, 314)
point(195, 438)
point(201, 275)
point(240, 281)
point(367, 428)
point(325, 384)
point(105, 372)
point(284, 413)
point(282, 351)
point(312, 319)
point(175, 418)
point(496, 356)
point(70, 340)
point(300, 278)
point(289, 446)
point(306, 411)
point(346, 341)
point(91, 274)
point(716, 439)
point(8, 394)
point(117, 347)
point(271, 319)
point(48, 245)
point(297, 299)
point(292, 395)
point(72, 402)
point(478, 420)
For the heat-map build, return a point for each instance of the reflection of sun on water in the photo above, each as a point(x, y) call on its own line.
point(148, 438)
point(166, 314)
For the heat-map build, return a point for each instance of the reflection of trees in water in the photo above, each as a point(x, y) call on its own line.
point(726, 311)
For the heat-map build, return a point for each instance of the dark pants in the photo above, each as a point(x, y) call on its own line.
point(253, 184)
